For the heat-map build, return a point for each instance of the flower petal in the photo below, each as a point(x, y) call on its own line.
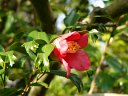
point(66, 66)
point(83, 40)
point(71, 36)
point(61, 45)
point(79, 60)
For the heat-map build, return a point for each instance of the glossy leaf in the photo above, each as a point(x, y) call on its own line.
point(42, 60)
point(11, 57)
point(73, 77)
point(72, 18)
point(39, 84)
point(31, 48)
point(38, 35)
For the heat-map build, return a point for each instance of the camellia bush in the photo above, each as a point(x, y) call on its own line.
point(63, 47)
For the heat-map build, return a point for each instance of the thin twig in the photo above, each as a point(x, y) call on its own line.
point(93, 83)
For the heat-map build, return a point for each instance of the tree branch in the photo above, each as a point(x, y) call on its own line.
point(100, 15)
point(44, 13)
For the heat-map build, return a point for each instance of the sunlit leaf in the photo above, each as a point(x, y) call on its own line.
point(39, 84)
point(38, 35)
point(1, 71)
point(1, 49)
point(120, 31)
point(42, 60)
point(31, 48)
point(11, 57)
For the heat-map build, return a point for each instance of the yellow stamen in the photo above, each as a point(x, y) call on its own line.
point(73, 47)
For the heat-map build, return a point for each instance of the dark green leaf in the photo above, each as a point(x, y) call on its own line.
point(73, 77)
point(72, 18)
point(8, 92)
point(1, 49)
point(114, 63)
point(9, 22)
point(39, 84)
point(106, 82)
point(17, 47)
point(90, 73)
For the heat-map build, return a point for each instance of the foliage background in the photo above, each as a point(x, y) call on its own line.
point(18, 18)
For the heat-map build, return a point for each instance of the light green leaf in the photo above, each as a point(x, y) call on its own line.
point(38, 35)
point(123, 30)
point(1, 71)
point(39, 84)
point(11, 57)
point(47, 49)
point(31, 48)
point(1, 61)
point(42, 60)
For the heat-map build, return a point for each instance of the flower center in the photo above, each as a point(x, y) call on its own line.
point(73, 47)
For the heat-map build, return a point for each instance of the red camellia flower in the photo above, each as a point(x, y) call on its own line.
point(68, 49)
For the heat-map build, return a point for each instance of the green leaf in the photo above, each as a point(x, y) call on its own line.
point(123, 30)
point(94, 34)
point(52, 37)
point(39, 84)
point(38, 35)
point(90, 73)
point(42, 60)
point(1, 71)
point(17, 47)
point(72, 18)
point(102, 28)
point(8, 92)
point(1, 61)
point(2, 49)
point(11, 57)
point(106, 82)
point(9, 22)
point(73, 77)
point(47, 49)
point(94, 37)
point(31, 48)
point(114, 63)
